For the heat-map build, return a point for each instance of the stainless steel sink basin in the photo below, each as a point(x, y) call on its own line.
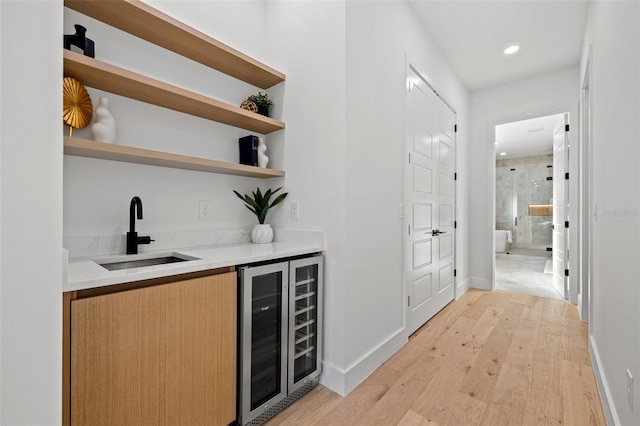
point(115, 265)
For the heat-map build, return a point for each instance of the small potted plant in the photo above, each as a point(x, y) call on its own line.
point(259, 204)
point(262, 101)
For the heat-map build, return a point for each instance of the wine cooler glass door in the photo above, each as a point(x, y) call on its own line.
point(305, 321)
point(263, 339)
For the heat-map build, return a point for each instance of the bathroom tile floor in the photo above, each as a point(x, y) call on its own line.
point(525, 274)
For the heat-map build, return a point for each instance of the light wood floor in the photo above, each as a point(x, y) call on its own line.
point(489, 358)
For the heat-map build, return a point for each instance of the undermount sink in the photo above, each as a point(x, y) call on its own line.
point(124, 263)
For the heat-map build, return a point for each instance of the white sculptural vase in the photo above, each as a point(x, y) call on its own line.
point(104, 129)
point(263, 160)
point(262, 234)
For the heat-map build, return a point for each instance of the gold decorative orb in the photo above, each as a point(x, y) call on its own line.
point(249, 106)
point(77, 109)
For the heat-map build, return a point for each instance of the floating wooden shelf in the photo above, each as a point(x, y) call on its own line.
point(107, 77)
point(158, 28)
point(129, 154)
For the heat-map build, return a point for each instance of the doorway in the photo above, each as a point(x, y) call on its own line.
point(530, 205)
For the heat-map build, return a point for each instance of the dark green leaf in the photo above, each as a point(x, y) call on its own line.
point(279, 199)
point(251, 209)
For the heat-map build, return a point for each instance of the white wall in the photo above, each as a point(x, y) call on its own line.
point(31, 215)
point(307, 42)
point(613, 35)
point(379, 37)
point(544, 94)
point(170, 197)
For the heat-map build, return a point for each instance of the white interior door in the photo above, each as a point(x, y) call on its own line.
point(430, 203)
point(560, 210)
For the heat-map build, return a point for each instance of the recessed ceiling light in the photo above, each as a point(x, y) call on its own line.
point(503, 153)
point(511, 49)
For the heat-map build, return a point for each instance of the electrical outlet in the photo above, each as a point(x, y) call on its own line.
point(295, 209)
point(630, 389)
point(205, 209)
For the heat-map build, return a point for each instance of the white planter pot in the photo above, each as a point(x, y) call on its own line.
point(262, 234)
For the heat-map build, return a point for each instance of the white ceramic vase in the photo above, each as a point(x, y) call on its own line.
point(262, 234)
point(104, 129)
point(263, 160)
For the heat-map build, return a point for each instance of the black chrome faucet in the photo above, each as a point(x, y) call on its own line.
point(132, 236)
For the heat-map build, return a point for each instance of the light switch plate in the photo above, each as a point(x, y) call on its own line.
point(295, 209)
point(205, 209)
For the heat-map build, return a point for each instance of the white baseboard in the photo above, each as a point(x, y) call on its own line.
point(480, 283)
point(343, 381)
point(332, 377)
point(605, 394)
point(462, 288)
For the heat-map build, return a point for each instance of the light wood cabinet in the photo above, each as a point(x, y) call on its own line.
point(158, 355)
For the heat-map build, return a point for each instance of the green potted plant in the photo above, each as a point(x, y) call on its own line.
point(259, 204)
point(262, 101)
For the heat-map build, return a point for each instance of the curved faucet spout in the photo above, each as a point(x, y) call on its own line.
point(132, 236)
point(136, 202)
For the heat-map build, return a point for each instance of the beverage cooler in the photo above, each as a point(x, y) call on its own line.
point(280, 335)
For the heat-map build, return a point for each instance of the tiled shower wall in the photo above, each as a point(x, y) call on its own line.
point(519, 183)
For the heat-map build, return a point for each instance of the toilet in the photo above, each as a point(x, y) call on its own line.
point(502, 238)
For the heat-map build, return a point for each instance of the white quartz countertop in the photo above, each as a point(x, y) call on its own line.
point(84, 273)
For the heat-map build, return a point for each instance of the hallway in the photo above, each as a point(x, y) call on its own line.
point(489, 358)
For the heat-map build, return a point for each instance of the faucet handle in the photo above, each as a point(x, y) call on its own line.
point(145, 240)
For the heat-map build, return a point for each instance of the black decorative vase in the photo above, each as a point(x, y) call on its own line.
point(263, 110)
point(80, 40)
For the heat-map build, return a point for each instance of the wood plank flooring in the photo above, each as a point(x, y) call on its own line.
point(489, 358)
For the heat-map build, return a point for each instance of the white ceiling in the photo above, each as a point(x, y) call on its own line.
point(473, 34)
point(527, 137)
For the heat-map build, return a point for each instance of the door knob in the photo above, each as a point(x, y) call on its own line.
point(437, 232)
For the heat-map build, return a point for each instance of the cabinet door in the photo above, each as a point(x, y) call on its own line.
point(263, 339)
point(305, 321)
point(161, 355)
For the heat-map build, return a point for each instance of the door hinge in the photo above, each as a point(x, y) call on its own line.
point(549, 177)
point(566, 175)
point(409, 301)
point(455, 128)
point(566, 272)
point(455, 272)
point(409, 158)
point(566, 127)
point(455, 224)
point(409, 228)
point(455, 176)
point(566, 224)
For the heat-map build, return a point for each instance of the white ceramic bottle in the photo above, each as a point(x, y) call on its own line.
point(263, 160)
point(104, 129)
